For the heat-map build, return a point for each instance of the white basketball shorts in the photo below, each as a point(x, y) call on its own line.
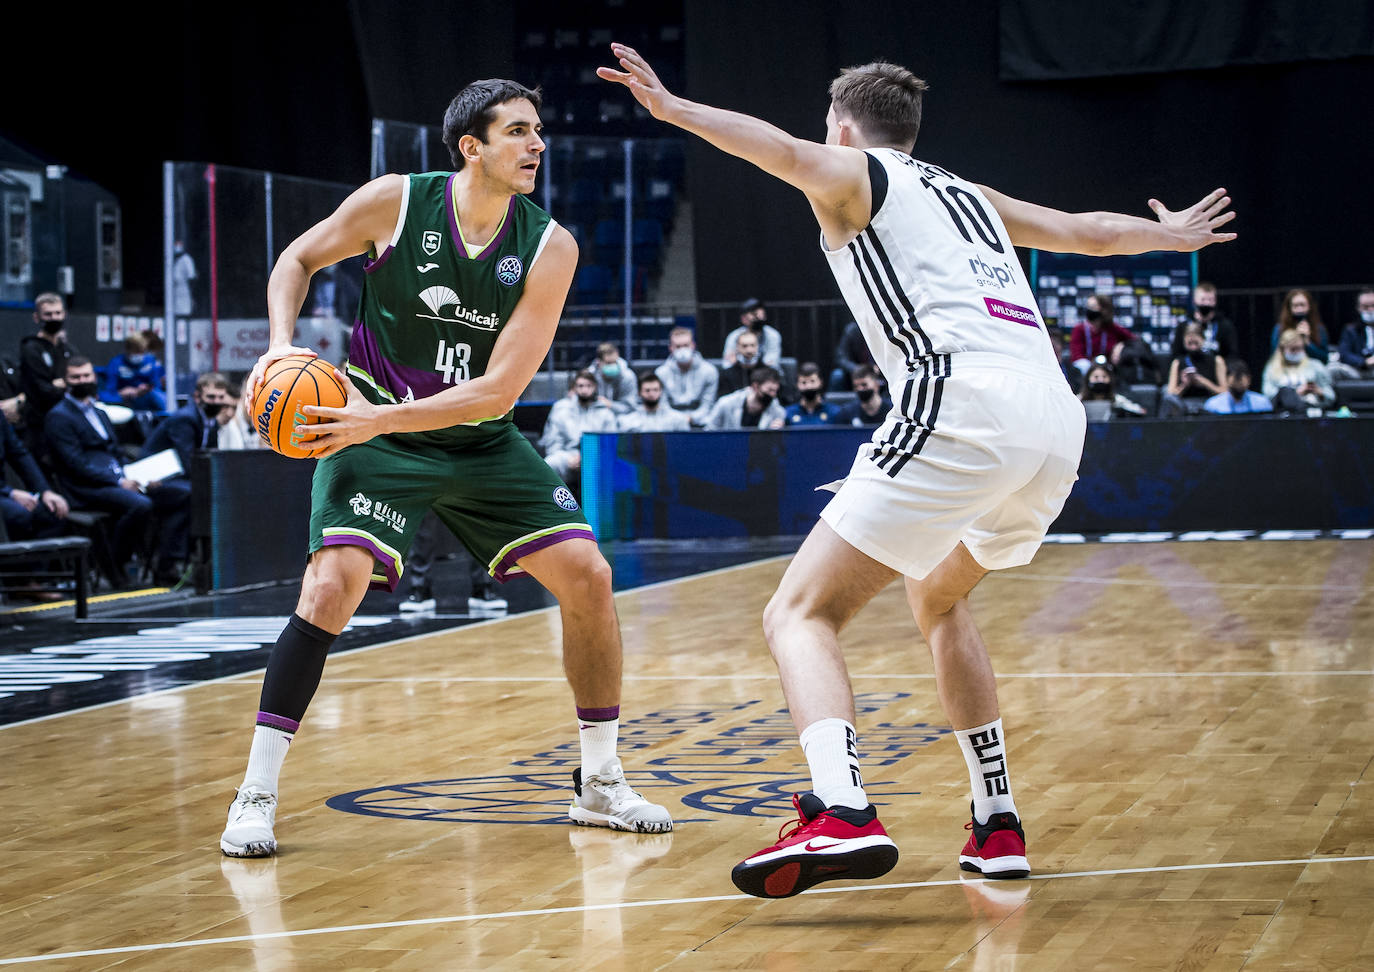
point(991, 467)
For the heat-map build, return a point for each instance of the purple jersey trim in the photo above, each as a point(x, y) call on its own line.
point(365, 353)
point(490, 248)
point(279, 722)
point(505, 568)
point(393, 576)
point(369, 265)
point(598, 715)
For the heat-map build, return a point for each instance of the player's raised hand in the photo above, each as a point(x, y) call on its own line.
point(273, 354)
point(1199, 222)
point(339, 428)
point(640, 79)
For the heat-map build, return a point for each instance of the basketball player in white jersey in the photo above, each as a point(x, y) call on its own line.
point(974, 462)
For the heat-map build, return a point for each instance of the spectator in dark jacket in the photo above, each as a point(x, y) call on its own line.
point(11, 393)
point(870, 405)
point(1218, 333)
point(850, 353)
point(195, 425)
point(87, 459)
point(43, 363)
point(35, 511)
point(1357, 339)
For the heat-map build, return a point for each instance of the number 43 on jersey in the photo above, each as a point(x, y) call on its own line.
point(452, 362)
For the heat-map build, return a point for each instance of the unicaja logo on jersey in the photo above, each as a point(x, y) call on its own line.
point(564, 498)
point(438, 297)
point(430, 242)
point(362, 506)
point(508, 271)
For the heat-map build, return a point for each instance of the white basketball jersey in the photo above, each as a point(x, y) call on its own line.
point(934, 274)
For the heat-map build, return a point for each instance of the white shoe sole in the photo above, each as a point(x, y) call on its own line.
point(996, 867)
point(589, 818)
point(254, 848)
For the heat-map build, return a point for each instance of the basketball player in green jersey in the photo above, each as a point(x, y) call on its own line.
point(464, 286)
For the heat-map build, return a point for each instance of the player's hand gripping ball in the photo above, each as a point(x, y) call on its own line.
point(288, 385)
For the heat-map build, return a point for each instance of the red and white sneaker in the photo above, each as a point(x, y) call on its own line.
point(822, 844)
point(996, 849)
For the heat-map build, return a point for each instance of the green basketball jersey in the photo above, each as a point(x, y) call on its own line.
point(430, 313)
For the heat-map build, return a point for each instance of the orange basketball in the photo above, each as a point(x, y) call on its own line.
point(290, 384)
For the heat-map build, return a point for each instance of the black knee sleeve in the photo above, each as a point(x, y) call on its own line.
point(293, 671)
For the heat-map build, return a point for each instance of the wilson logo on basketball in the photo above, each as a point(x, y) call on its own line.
point(265, 416)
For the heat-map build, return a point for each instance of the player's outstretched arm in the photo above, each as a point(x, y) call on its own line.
point(1104, 234)
point(833, 177)
point(369, 214)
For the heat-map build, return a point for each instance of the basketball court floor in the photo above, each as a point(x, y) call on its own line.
point(1190, 728)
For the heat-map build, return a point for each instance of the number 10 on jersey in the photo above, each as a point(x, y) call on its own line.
point(452, 362)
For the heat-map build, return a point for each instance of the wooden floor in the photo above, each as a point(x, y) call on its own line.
point(1189, 725)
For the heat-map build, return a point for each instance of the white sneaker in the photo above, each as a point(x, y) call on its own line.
point(490, 604)
point(248, 832)
point(419, 602)
point(606, 800)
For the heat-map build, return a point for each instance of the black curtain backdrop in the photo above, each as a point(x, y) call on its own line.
point(1072, 38)
point(1286, 140)
point(112, 93)
point(291, 88)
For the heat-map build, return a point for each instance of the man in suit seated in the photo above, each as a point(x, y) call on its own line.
point(86, 457)
point(196, 424)
point(36, 511)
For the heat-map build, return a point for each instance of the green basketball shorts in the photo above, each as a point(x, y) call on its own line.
point(497, 496)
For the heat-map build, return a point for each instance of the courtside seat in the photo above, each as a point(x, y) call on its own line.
point(1146, 396)
point(28, 559)
point(1357, 394)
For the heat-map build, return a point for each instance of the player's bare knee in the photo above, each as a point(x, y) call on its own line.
point(587, 582)
point(785, 614)
point(334, 586)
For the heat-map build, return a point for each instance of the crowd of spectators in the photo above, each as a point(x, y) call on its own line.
point(70, 431)
point(1205, 371)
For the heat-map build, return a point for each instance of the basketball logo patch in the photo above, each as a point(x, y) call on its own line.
point(509, 270)
point(564, 498)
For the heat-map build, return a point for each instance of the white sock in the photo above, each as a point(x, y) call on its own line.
point(598, 741)
point(266, 757)
point(832, 752)
point(986, 755)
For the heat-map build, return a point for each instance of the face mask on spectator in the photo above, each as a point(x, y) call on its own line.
point(764, 400)
point(1294, 357)
point(811, 395)
point(1092, 316)
point(82, 390)
point(586, 399)
point(1367, 316)
point(682, 355)
point(1300, 316)
point(1100, 389)
point(210, 409)
point(866, 394)
point(52, 327)
point(610, 370)
point(1205, 310)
